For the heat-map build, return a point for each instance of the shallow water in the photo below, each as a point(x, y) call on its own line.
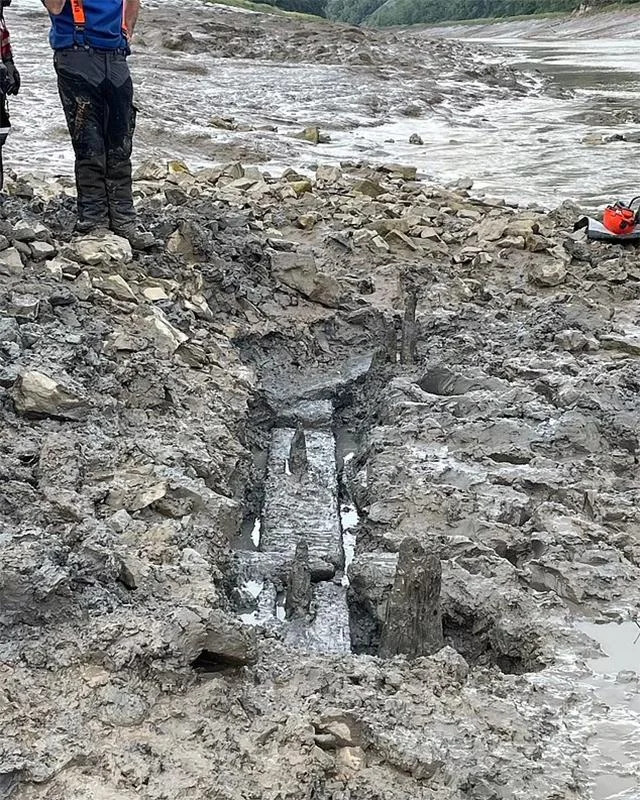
point(620, 642)
point(528, 149)
point(613, 754)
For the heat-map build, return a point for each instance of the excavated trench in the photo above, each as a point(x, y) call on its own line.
point(308, 441)
point(298, 495)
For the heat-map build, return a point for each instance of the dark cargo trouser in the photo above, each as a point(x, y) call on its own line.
point(97, 96)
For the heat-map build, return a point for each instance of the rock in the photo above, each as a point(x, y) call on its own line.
point(227, 642)
point(198, 304)
point(491, 230)
point(103, 250)
point(176, 196)
point(299, 593)
point(120, 521)
point(301, 187)
point(38, 394)
point(10, 262)
point(151, 171)
point(469, 213)
point(9, 330)
point(193, 355)
point(119, 708)
point(83, 286)
point(413, 620)
point(137, 489)
point(298, 271)
point(298, 460)
point(223, 123)
point(328, 175)
point(625, 344)
point(61, 297)
point(157, 327)
point(307, 221)
point(368, 188)
point(398, 238)
point(23, 307)
point(512, 243)
point(339, 726)
point(23, 232)
point(400, 171)
point(63, 268)
point(181, 242)
point(179, 168)
point(350, 760)
point(9, 375)
point(235, 170)
point(576, 341)
point(548, 273)
point(132, 571)
point(313, 135)
point(535, 243)
point(416, 139)
point(115, 286)
point(41, 251)
point(154, 294)
point(379, 244)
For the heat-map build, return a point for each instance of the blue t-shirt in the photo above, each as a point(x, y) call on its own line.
point(103, 28)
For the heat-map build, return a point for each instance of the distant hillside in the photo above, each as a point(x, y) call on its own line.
point(384, 13)
point(412, 12)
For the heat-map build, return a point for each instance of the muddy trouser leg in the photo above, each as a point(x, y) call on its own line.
point(120, 126)
point(81, 83)
point(5, 126)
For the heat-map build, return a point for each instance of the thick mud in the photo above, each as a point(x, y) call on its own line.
point(211, 455)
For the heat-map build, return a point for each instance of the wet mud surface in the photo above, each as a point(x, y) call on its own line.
point(176, 426)
point(211, 456)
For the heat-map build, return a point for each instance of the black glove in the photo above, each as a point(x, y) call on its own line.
point(13, 78)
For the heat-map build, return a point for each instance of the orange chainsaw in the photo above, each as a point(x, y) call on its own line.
point(620, 218)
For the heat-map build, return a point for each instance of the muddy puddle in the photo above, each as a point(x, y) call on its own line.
point(613, 754)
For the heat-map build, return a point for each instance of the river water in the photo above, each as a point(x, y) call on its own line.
point(530, 149)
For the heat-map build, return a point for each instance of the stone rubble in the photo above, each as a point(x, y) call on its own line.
point(485, 360)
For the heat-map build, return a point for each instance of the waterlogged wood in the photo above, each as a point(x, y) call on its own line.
point(299, 591)
point(413, 621)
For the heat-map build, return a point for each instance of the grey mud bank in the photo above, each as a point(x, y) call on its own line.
point(186, 439)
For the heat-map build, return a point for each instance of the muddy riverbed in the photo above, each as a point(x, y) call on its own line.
point(212, 454)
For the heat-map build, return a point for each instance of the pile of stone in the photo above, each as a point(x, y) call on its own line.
point(497, 417)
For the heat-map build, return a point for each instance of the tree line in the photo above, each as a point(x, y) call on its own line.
point(412, 12)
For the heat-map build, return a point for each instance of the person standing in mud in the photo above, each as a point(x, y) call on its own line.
point(91, 39)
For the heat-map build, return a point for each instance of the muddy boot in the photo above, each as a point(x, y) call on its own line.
point(137, 238)
point(85, 227)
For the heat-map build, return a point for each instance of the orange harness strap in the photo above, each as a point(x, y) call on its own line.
point(80, 18)
point(77, 9)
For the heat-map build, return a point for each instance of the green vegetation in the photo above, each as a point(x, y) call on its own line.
point(353, 11)
point(314, 7)
point(412, 12)
point(273, 7)
point(385, 13)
